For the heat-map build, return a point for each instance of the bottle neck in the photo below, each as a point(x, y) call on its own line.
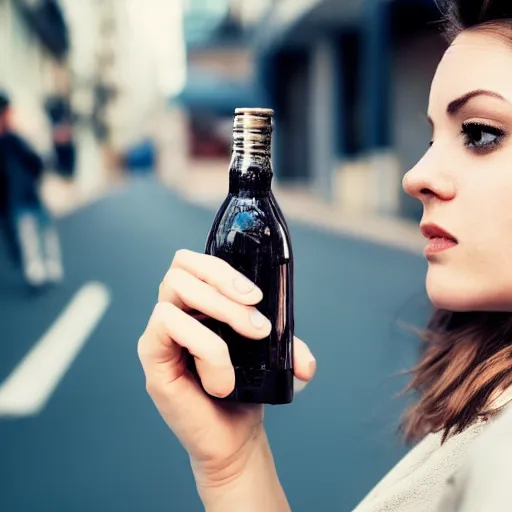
point(250, 174)
point(251, 168)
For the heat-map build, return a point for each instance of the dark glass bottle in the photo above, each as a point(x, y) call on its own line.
point(251, 234)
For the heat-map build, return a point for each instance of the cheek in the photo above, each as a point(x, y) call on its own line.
point(489, 223)
point(477, 274)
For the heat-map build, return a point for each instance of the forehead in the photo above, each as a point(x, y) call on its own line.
point(475, 60)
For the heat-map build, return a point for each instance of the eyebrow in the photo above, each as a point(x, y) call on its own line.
point(456, 105)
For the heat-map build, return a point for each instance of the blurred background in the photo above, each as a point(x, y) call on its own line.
point(129, 106)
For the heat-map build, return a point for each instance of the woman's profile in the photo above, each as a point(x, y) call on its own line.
point(463, 377)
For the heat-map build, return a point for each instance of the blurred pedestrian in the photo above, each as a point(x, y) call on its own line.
point(60, 116)
point(28, 221)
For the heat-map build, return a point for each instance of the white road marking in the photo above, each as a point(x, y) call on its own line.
point(29, 387)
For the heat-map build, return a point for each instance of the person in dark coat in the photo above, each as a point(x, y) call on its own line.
point(28, 222)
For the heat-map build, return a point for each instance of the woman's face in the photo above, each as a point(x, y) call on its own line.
point(464, 180)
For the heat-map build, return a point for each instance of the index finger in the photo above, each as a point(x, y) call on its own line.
point(219, 274)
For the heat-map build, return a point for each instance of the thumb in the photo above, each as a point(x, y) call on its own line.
point(304, 364)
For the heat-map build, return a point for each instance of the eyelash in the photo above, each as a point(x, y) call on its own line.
point(467, 133)
point(470, 140)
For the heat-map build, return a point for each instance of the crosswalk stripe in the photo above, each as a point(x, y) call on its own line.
point(28, 388)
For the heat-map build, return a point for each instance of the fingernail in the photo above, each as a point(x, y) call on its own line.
point(312, 366)
point(258, 320)
point(243, 285)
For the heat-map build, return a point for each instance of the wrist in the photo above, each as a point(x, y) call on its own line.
point(248, 483)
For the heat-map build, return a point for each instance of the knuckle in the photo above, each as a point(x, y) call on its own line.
point(181, 255)
point(163, 312)
point(144, 350)
point(165, 284)
point(223, 266)
point(153, 388)
point(214, 351)
point(160, 309)
point(220, 353)
point(217, 266)
point(141, 348)
point(157, 311)
point(175, 276)
point(172, 280)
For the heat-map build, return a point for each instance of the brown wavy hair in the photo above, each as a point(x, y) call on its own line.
point(467, 357)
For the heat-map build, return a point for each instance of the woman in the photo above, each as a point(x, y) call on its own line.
point(465, 184)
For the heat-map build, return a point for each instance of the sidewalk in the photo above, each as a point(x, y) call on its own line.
point(208, 187)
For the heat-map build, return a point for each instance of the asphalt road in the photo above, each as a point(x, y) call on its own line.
point(99, 444)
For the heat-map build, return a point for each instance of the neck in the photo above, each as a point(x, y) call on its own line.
point(250, 174)
point(251, 168)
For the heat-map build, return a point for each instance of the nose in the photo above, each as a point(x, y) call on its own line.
point(427, 181)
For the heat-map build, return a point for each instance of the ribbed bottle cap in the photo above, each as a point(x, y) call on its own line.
point(255, 111)
point(252, 130)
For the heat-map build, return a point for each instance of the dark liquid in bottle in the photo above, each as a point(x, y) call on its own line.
point(250, 233)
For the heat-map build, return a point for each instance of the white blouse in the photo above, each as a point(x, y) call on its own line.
point(422, 480)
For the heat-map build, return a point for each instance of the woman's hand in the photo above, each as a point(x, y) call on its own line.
point(219, 437)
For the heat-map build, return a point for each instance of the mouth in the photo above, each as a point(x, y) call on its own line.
point(439, 240)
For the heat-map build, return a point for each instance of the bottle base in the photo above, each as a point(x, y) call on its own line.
point(274, 387)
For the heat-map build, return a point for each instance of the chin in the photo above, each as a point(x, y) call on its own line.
point(450, 303)
point(457, 294)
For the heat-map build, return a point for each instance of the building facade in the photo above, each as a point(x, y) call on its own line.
point(33, 62)
point(349, 83)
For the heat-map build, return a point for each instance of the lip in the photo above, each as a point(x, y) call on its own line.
point(439, 239)
point(429, 230)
